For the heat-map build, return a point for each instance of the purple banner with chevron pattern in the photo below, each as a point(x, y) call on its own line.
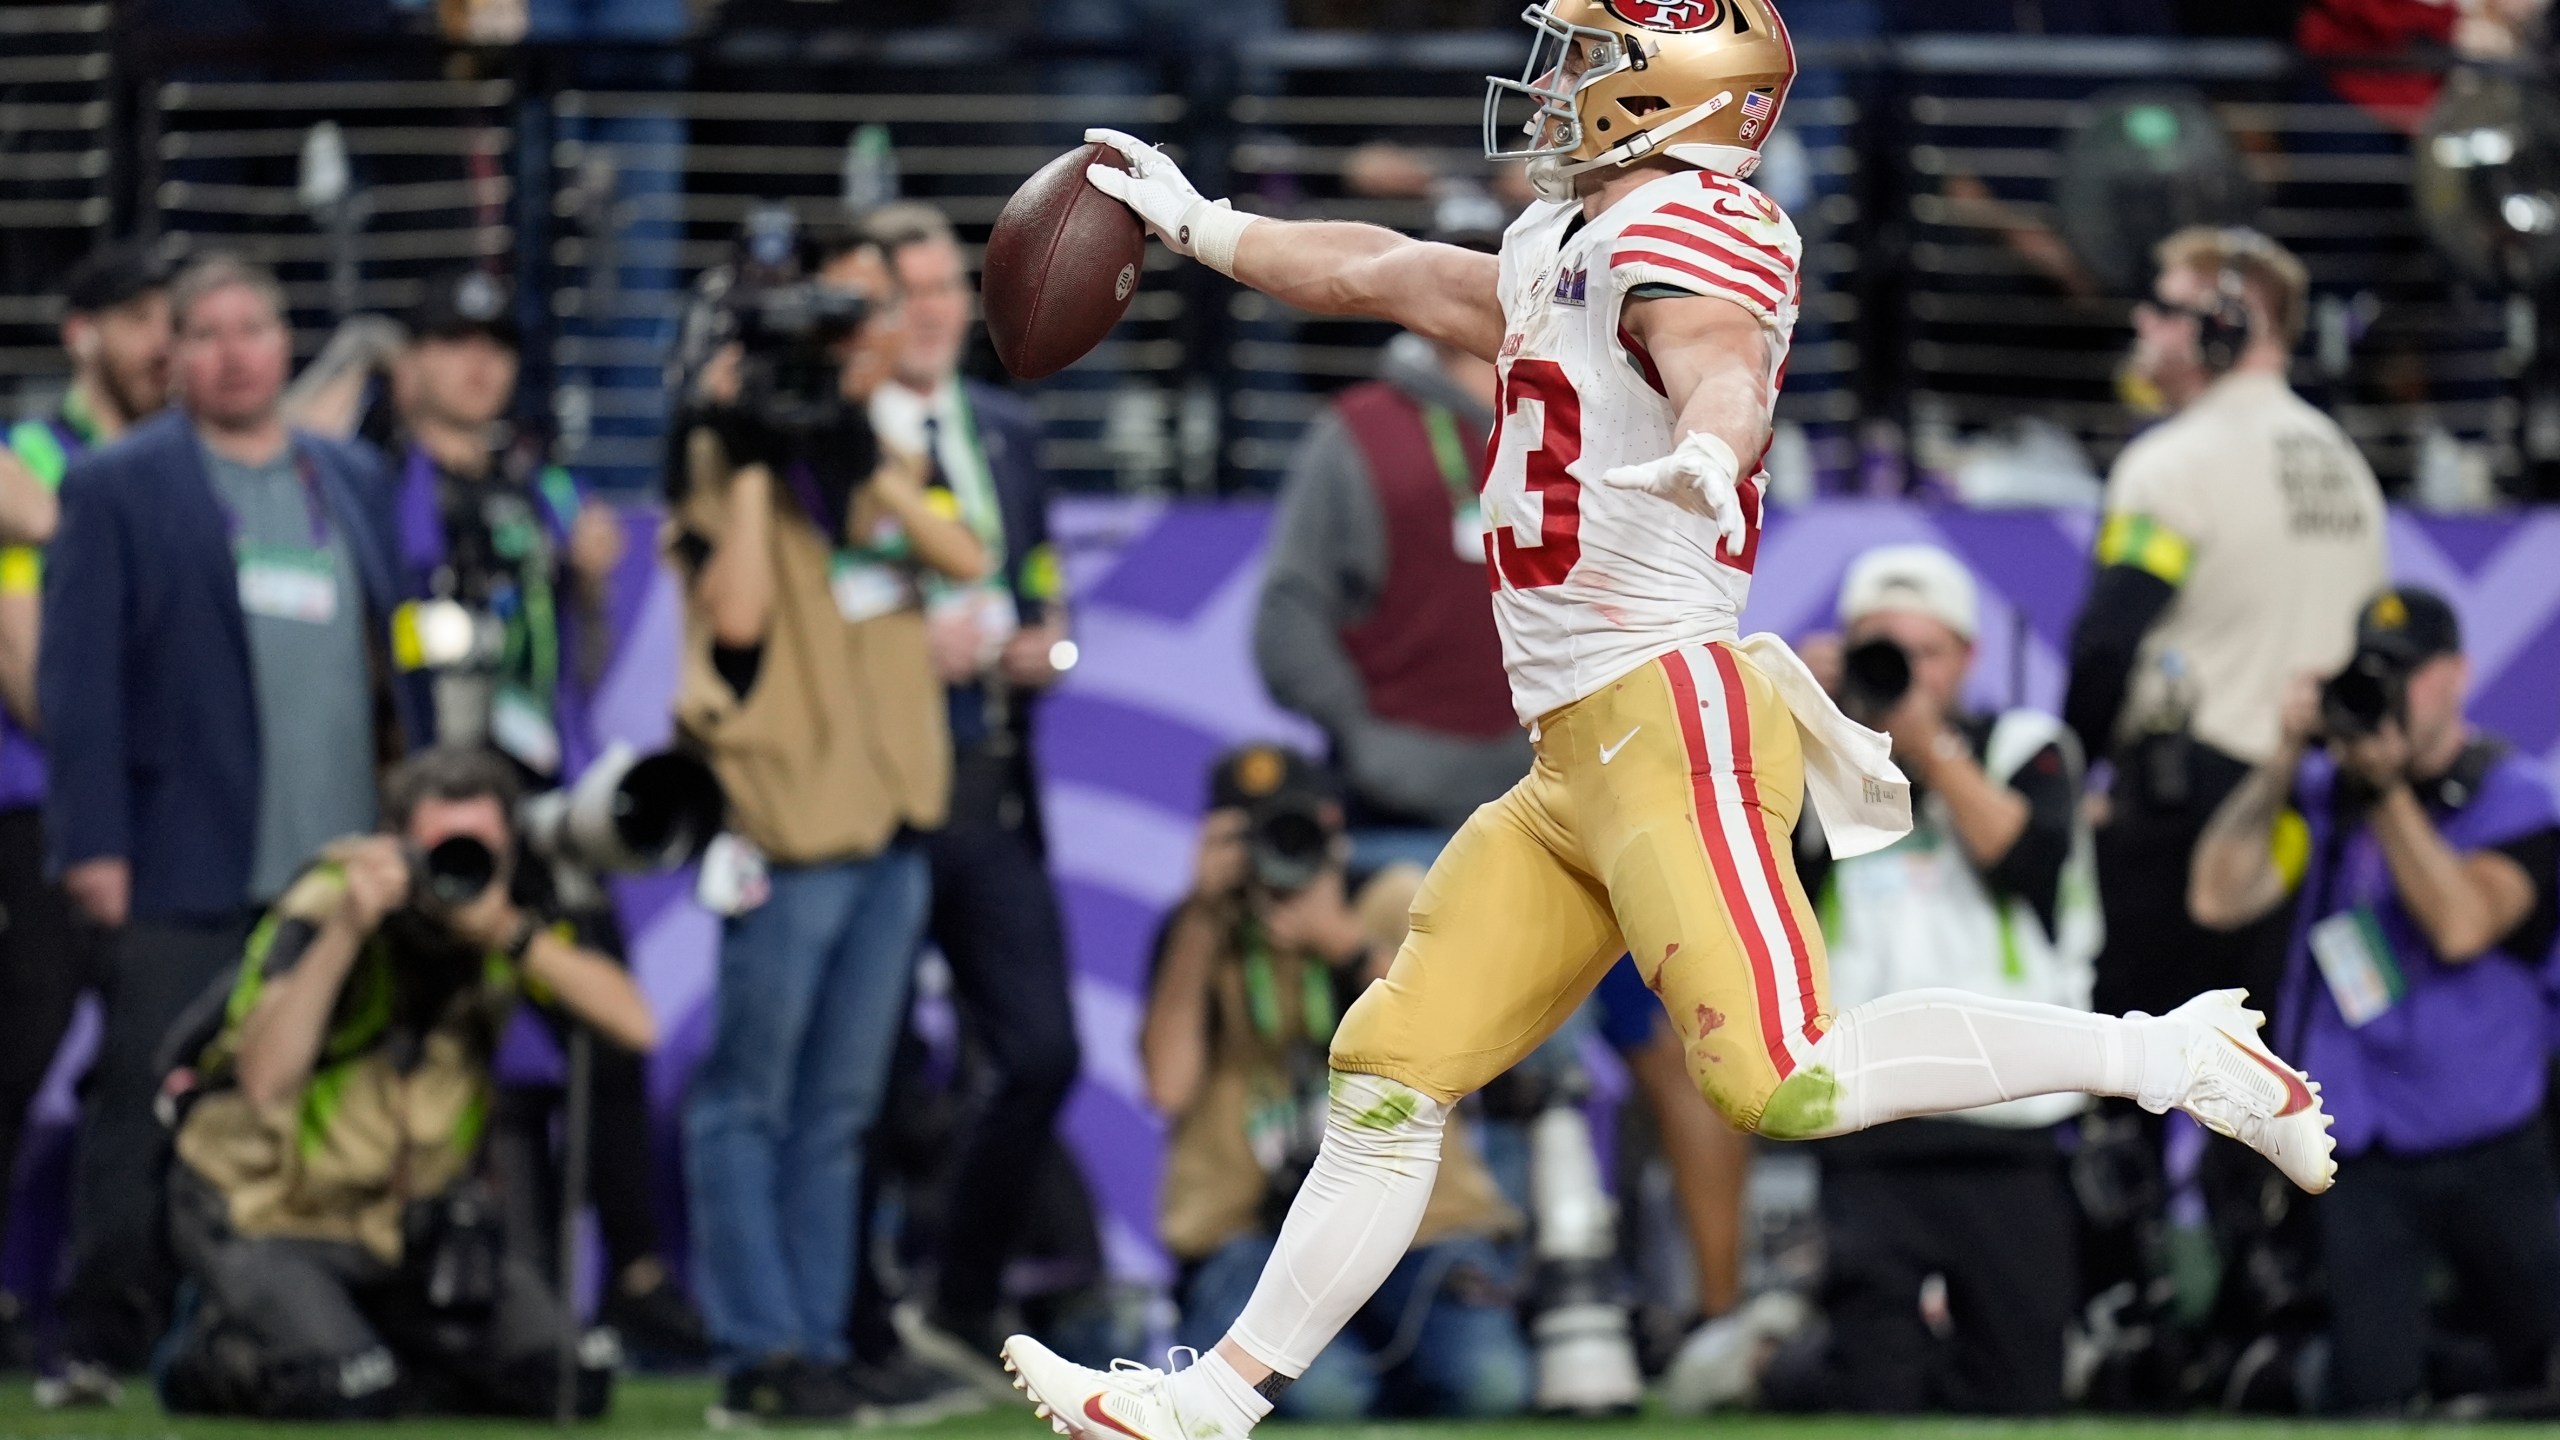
point(1165, 598)
point(1165, 595)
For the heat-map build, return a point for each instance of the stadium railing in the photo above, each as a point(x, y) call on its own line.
point(1914, 167)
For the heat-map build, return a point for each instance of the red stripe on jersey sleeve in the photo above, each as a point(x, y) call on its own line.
point(1715, 250)
point(1723, 284)
point(1722, 226)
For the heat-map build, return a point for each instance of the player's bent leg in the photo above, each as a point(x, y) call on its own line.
point(1694, 809)
point(1928, 1052)
point(1709, 901)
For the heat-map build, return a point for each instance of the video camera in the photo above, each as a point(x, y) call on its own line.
point(629, 814)
point(788, 328)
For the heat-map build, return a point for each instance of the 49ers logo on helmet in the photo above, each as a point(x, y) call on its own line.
point(1677, 16)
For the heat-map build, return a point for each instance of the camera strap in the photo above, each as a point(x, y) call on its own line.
point(1458, 476)
point(1262, 992)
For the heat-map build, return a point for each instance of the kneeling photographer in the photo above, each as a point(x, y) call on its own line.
point(2426, 861)
point(1251, 973)
point(347, 1263)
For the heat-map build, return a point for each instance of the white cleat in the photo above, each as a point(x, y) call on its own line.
point(2234, 1085)
point(1129, 1401)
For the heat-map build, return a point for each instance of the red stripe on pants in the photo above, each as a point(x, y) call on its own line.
point(1764, 975)
point(1739, 710)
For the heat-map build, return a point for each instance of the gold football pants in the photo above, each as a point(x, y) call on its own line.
point(1657, 821)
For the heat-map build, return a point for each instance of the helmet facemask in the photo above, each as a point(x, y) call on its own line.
point(1563, 59)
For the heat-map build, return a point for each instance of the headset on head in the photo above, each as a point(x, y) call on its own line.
point(2226, 325)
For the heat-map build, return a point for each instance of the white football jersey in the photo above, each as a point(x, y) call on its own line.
point(1591, 581)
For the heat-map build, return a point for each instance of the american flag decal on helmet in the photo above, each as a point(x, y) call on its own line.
point(1757, 105)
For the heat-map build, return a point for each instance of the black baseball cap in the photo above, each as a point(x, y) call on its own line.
point(111, 275)
point(2409, 625)
point(1254, 775)
point(467, 302)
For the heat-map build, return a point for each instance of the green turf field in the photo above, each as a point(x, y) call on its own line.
point(663, 1409)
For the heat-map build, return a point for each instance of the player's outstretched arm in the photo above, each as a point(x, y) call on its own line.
point(1713, 357)
point(1329, 267)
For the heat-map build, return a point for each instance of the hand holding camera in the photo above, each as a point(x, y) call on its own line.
point(378, 876)
point(1874, 688)
point(1219, 866)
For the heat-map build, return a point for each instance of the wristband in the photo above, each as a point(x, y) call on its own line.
point(1711, 447)
point(1209, 232)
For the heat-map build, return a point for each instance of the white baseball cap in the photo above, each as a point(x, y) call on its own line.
point(1921, 579)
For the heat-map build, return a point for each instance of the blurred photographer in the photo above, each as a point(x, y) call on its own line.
point(2422, 859)
point(515, 559)
point(1252, 971)
point(348, 1264)
point(1951, 1273)
point(808, 684)
point(511, 545)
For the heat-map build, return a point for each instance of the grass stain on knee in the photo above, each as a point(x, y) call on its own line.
point(1399, 1104)
point(1804, 1104)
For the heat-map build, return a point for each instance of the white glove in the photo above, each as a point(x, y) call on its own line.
point(1164, 197)
point(1700, 476)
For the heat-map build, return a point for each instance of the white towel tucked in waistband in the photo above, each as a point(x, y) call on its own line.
point(1849, 774)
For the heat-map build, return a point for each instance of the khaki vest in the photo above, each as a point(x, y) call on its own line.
point(390, 1139)
point(844, 737)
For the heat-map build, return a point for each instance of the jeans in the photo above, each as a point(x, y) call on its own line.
point(1461, 1355)
point(812, 990)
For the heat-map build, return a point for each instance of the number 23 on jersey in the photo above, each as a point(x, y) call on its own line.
point(1530, 487)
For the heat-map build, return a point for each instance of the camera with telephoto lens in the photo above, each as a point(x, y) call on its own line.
point(1874, 676)
point(628, 814)
point(2374, 687)
point(450, 874)
point(1288, 840)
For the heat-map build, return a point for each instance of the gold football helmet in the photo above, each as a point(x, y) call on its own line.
point(1612, 81)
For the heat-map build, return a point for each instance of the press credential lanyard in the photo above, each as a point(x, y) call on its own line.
point(288, 582)
point(1466, 528)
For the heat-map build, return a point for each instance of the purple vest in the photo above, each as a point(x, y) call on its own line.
point(2461, 1056)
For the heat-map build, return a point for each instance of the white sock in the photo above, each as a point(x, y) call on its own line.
point(1928, 1052)
point(1352, 1221)
point(1213, 1401)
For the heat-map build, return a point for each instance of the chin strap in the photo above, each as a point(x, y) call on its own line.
point(1638, 146)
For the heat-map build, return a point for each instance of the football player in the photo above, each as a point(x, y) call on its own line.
point(1639, 315)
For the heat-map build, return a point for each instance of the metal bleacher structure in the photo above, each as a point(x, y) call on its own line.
point(55, 148)
point(1916, 164)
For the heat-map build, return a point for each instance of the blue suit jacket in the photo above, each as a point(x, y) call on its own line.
point(150, 710)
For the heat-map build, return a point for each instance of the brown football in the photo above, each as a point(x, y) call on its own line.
point(1061, 266)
